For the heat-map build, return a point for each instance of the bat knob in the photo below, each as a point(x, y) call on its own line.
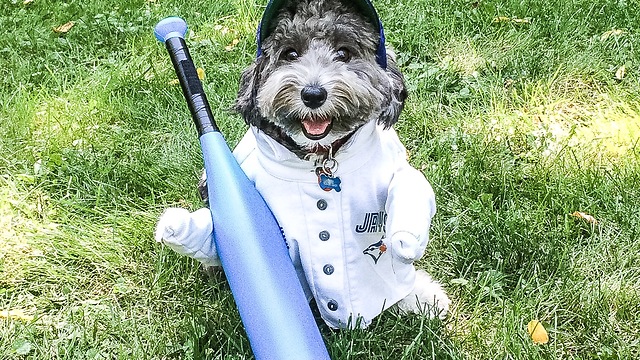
point(169, 28)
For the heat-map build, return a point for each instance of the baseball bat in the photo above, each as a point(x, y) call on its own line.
point(272, 305)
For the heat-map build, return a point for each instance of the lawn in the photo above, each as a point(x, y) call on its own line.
point(524, 116)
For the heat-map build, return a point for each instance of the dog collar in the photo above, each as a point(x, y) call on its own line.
point(365, 6)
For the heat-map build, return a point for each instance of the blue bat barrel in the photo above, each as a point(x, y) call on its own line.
point(272, 305)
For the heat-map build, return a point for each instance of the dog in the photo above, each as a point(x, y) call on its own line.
point(321, 98)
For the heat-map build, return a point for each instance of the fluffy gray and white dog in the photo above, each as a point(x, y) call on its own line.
point(321, 98)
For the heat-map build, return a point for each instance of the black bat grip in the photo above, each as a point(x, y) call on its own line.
point(191, 85)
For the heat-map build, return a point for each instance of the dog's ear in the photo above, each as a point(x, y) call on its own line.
point(395, 95)
point(246, 102)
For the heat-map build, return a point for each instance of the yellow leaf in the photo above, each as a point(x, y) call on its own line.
point(537, 332)
point(63, 29)
point(621, 72)
point(607, 34)
point(515, 20)
point(200, 72)
point(584, 216)
point(27, 2)
point(520, 21)
point(174, 82)
point(15, 315)
point(232, 45)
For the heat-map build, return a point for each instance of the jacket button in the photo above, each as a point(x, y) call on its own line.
point(322, 204)
point(332, 305)
point(324, 235)
point(328, 269)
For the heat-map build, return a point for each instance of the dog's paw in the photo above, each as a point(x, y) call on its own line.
point(428, 297)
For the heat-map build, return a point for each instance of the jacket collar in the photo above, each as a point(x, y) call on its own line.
point(281, 162)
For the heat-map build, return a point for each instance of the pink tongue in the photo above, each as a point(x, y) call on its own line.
point(316, 126)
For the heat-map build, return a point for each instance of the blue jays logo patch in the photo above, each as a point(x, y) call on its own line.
point(376, 250)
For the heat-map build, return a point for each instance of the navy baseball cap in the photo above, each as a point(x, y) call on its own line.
point(364, 6)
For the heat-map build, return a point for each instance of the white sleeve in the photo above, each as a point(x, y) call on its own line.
point(410, 206)
point(189, 234)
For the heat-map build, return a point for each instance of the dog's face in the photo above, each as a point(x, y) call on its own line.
point(316, 80)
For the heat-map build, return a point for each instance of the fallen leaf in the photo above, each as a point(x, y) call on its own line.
point(537, 332)
point(27, 2)
point(607, 34)
point(520, 21)
point(588, 218)
point(15, 315)
point(621, 72)
point(174, 82)
point(515, 20)
point(232, 45)
point(63, 29)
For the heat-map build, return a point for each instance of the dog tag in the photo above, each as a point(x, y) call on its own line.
point(326, 180)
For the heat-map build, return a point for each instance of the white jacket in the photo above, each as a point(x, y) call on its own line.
point(353, 249)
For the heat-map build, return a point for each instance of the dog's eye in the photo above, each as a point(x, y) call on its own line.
point(343, 54)
point(290, 55)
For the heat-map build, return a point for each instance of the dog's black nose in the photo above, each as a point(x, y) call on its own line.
point(313, 96)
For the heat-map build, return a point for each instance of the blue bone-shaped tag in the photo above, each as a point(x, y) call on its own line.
point(328, 183)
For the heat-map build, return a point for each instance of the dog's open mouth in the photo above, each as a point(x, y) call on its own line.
point(316, 127)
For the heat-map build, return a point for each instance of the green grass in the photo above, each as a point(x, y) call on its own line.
point(516, 124)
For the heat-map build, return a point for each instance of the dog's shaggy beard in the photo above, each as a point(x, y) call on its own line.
point(352, 99)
